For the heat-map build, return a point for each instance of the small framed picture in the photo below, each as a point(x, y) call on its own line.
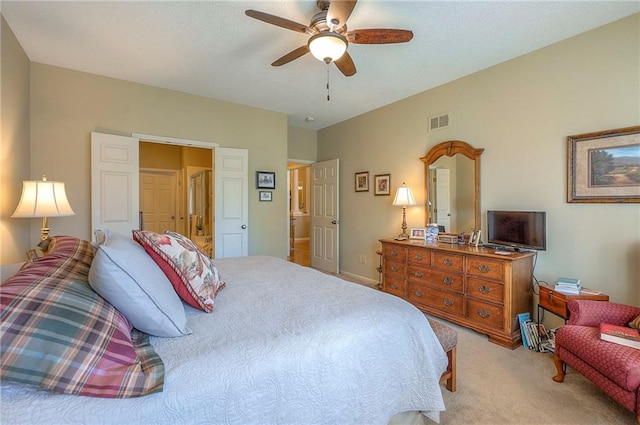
point(362, 181)
point(432, 233)
point(32, 255)
point(474, 238)
point(265, 180)
point(382, 185)
point(265, 196)
point(417, 233)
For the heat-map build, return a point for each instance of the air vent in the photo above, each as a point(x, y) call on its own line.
point(439, 121)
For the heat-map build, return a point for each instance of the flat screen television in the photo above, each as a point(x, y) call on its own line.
point(517, 229)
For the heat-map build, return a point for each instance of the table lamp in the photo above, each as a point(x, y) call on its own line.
point(404, 198)
point(43, 198)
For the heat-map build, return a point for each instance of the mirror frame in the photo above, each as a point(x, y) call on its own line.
point(450, 148)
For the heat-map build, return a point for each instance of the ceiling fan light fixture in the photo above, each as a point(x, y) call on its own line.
point(327, 46)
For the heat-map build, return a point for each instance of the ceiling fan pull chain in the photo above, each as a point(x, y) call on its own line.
point(328, 94)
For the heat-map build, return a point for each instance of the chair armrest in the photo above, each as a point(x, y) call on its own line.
point(592, 313)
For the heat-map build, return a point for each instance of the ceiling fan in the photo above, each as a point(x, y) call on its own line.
point(329, 35)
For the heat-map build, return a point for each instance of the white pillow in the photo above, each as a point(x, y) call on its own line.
point(124, 274)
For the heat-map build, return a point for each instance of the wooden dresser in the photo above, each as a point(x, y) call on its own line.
point(471, 286)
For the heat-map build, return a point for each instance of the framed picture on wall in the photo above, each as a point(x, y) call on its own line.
point(603, 166)
point(382, 185)
point(362, 181)
point(265, 180)
point(265, 196)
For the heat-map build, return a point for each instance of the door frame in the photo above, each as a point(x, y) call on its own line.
point(303, 163)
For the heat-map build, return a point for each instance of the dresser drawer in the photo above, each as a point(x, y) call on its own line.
point(395, 253)
point(485, 289)
point(485, 267)
point(393, 285)
point(395, 268)
point(485, 313)
point(435, 278)
point(419, 256)
point(441, 300)
point(444, 261)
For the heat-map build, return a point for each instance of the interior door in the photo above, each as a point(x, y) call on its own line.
point(158, 205)
point(325, 218)
point(231, 202)
point(114, 182)
point(443, 198)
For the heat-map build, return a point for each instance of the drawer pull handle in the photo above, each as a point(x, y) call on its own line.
point(394, 268)
point(483, 313)
point(447, 280)
point(447, 262)
point(484, 289)
point(419, 293)
point(393, 286)
point(418, 257)
point(448, 302)
point(484, 268)
point(394, 252)
point(418, 274)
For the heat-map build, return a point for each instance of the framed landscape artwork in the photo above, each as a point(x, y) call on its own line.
point(604, 166)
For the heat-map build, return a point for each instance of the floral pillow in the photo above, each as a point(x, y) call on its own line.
point(635, 323)
point(190, 271)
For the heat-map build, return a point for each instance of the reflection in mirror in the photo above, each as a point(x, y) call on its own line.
point(200, 210)
point(452, 184)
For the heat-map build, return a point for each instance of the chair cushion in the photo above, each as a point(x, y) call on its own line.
point(447, 336)
point(619, 363)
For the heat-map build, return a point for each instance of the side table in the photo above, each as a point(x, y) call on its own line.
point(556, 302)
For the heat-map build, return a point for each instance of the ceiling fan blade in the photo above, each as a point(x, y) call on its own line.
point(339, 11)
point(379, 36)
point(345, 65)
point(295, 54)
point(278, 21)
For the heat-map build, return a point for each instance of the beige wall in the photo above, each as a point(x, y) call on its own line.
point(521, 112)
point(302, 144)
point(15, 238)
point(66, 106)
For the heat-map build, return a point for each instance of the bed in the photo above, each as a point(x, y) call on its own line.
point(284, 344)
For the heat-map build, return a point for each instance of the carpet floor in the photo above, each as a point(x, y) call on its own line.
point(501, 386)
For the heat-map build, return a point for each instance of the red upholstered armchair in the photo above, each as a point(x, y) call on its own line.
point(614, 368)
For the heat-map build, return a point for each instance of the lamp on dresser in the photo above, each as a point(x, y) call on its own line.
point(404, 198)
point(43, 198)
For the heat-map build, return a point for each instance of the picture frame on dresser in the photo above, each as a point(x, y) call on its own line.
point(474, 238)
point(417, 233)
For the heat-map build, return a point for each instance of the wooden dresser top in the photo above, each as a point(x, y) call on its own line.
point(460, 249)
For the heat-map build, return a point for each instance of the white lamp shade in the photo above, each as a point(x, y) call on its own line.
point(41, 198)
point(327, 46)
point(404, 197)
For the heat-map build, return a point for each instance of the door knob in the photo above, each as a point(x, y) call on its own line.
point(244, 226)
point(335, 222)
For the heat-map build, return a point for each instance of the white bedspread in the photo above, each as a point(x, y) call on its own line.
point(284, 345)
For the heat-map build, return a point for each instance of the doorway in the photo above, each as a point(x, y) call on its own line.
point(188, 209)
point(299, 178)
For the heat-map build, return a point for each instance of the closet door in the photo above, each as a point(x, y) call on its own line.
point(114, 183)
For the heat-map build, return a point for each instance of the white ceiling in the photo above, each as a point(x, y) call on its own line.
point(211, 48)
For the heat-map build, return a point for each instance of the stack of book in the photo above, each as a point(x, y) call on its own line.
point(620, 335)
point(568, 286)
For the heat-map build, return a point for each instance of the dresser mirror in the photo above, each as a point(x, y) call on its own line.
point(452, 185)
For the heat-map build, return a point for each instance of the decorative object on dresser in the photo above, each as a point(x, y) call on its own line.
point(467, 285)
point(404, 198)
point(43, 198)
